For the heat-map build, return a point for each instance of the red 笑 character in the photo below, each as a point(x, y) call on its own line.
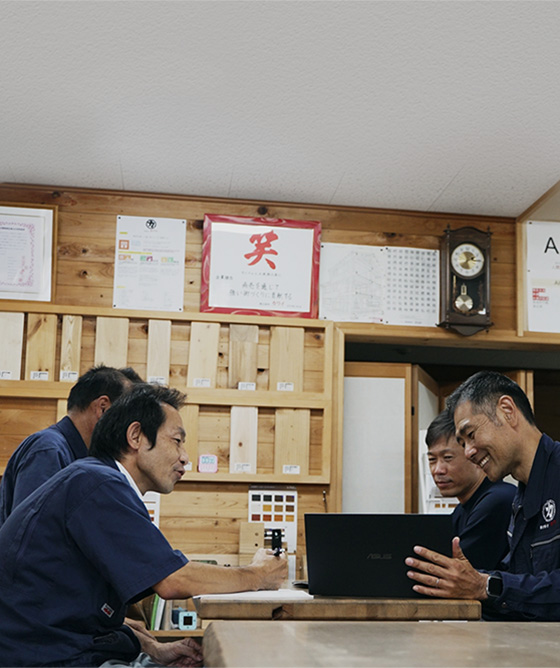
point(262, 243)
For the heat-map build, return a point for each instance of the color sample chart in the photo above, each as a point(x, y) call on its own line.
point(277, 509)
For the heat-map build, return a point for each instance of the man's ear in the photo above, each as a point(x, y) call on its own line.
point(508, 409)
point(134, 435)
point(101, 404)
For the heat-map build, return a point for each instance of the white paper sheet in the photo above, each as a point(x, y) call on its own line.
point(264, 595)
point(149, 263)
point(392, 285)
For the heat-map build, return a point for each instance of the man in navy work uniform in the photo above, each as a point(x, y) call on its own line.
point(44, 453)
point(82, 548)
point(482, 517)
point(495, 424)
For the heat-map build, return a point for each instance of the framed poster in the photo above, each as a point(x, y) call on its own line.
point(149, 263)
point(27, 248)
point(542, 275)
point(260, 266)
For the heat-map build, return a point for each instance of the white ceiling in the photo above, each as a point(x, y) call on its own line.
point(435, 106)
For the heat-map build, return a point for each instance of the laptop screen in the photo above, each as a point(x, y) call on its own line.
point(363, 554)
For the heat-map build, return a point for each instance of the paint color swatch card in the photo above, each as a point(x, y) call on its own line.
point(277, 509)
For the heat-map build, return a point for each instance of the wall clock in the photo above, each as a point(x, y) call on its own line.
point(465, 280)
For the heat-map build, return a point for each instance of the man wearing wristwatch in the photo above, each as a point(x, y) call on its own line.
point(494, 422)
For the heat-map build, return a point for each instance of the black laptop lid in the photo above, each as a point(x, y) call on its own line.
point(363, 554)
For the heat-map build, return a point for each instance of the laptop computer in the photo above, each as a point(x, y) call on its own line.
point(363, 554)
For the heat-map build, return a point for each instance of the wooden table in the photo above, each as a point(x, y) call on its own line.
point(381, 644)
point(272, 605)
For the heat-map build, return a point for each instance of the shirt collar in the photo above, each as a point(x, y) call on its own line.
point(478, 492)
point(129, 478)
point(73, 437)
point(533, 490)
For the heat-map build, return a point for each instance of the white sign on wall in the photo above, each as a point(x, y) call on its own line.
point(542, 279)
point(393, 285)
point(149, 263)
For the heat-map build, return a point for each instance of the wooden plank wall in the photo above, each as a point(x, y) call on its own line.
point(19, 417)
point(203, 517)
point(87, 227)
point(29, 405)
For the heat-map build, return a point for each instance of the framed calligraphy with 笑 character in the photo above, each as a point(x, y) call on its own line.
point(260, 266)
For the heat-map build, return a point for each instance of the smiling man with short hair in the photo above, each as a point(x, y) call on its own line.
point(495, 424)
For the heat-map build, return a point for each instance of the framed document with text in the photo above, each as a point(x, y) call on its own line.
point(27, 248)
point(260, 266)
point(542, 275)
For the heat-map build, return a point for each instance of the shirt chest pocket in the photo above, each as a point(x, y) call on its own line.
point(545, 553)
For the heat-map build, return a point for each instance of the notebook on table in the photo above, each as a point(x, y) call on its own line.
point(363, 554)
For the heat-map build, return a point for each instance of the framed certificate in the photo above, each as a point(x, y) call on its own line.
point(260, 266)
point(27, 252)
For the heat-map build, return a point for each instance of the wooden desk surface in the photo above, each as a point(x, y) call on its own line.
point(381, 644)
point(272, 606)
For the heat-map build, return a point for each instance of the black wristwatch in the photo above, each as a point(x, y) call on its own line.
point(494, 586)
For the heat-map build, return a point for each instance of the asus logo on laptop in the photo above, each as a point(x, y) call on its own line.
point(376, 555)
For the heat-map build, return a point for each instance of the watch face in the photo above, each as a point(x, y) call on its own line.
point(494, 586)
point(467, 260)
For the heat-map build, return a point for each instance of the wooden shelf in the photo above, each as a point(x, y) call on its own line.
point(262, 398)
point(256, 478)
point(185, 316)
point(34, 389)
point(59, 390)
point(435, 336)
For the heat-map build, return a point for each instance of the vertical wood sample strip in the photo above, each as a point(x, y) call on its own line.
point(291, 440)
point(203, 354)
point(61, 409)
point(11, 335)
point(70, 347)
point(243, 349)
point(190, 415)
point(159, 351)
point(111, 341)
point(286, 358)
point(41, 346)
point(243, 439)
point(291, 443)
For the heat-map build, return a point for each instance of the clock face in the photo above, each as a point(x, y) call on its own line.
point(467, 260)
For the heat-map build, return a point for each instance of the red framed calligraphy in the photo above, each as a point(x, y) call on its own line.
point(260, 266)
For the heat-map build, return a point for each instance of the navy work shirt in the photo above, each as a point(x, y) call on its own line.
point(532, 577)
point(482, 523)
point(75, 554)
point(37, 459)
